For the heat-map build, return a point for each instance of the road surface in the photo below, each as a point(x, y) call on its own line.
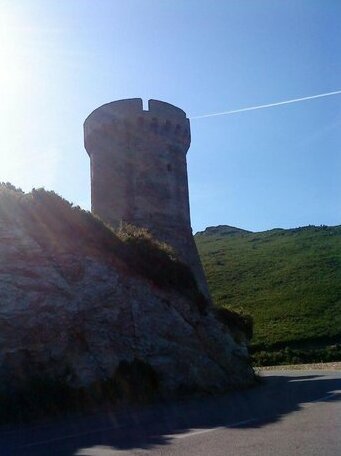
point(289, 413)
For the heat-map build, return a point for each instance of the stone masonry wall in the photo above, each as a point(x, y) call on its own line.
point(139, 172)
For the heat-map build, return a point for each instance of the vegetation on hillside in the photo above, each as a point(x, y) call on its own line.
point(289, 281)
point(237, 322)
point(60, 227)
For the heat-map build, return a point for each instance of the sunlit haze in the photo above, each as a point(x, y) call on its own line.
point(256, 169)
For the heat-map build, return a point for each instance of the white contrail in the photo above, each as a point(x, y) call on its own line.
point(270, 105)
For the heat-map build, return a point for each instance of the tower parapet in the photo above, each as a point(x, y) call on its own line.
point(161, 118)
point(139, 171)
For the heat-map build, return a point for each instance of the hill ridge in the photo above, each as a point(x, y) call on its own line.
point(229, 229)
point(222, 229)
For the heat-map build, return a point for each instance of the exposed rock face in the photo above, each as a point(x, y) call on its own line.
point(70, 307)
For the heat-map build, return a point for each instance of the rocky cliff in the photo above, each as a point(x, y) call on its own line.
point(77, 300)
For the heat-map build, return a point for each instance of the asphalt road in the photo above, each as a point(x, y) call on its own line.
point(289, 413)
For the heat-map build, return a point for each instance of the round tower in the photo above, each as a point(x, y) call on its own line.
point(139, 171)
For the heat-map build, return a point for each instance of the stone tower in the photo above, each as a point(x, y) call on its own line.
point(139, 172)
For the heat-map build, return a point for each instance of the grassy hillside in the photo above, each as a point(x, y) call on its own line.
point(289, 281)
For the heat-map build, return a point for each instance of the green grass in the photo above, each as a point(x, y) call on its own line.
point(289, 356)
point(289, 281)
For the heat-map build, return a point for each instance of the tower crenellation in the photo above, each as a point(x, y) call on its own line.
point(161, 118)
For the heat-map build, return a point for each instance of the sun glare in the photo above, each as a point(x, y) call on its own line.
point(12, 69)
point(16, 79)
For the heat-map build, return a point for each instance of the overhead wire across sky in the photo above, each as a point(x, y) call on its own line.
point(270, 105)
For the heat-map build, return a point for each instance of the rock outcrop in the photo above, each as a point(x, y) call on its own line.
point(76, 300)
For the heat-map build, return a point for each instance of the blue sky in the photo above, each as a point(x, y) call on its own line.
point(277, 167)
